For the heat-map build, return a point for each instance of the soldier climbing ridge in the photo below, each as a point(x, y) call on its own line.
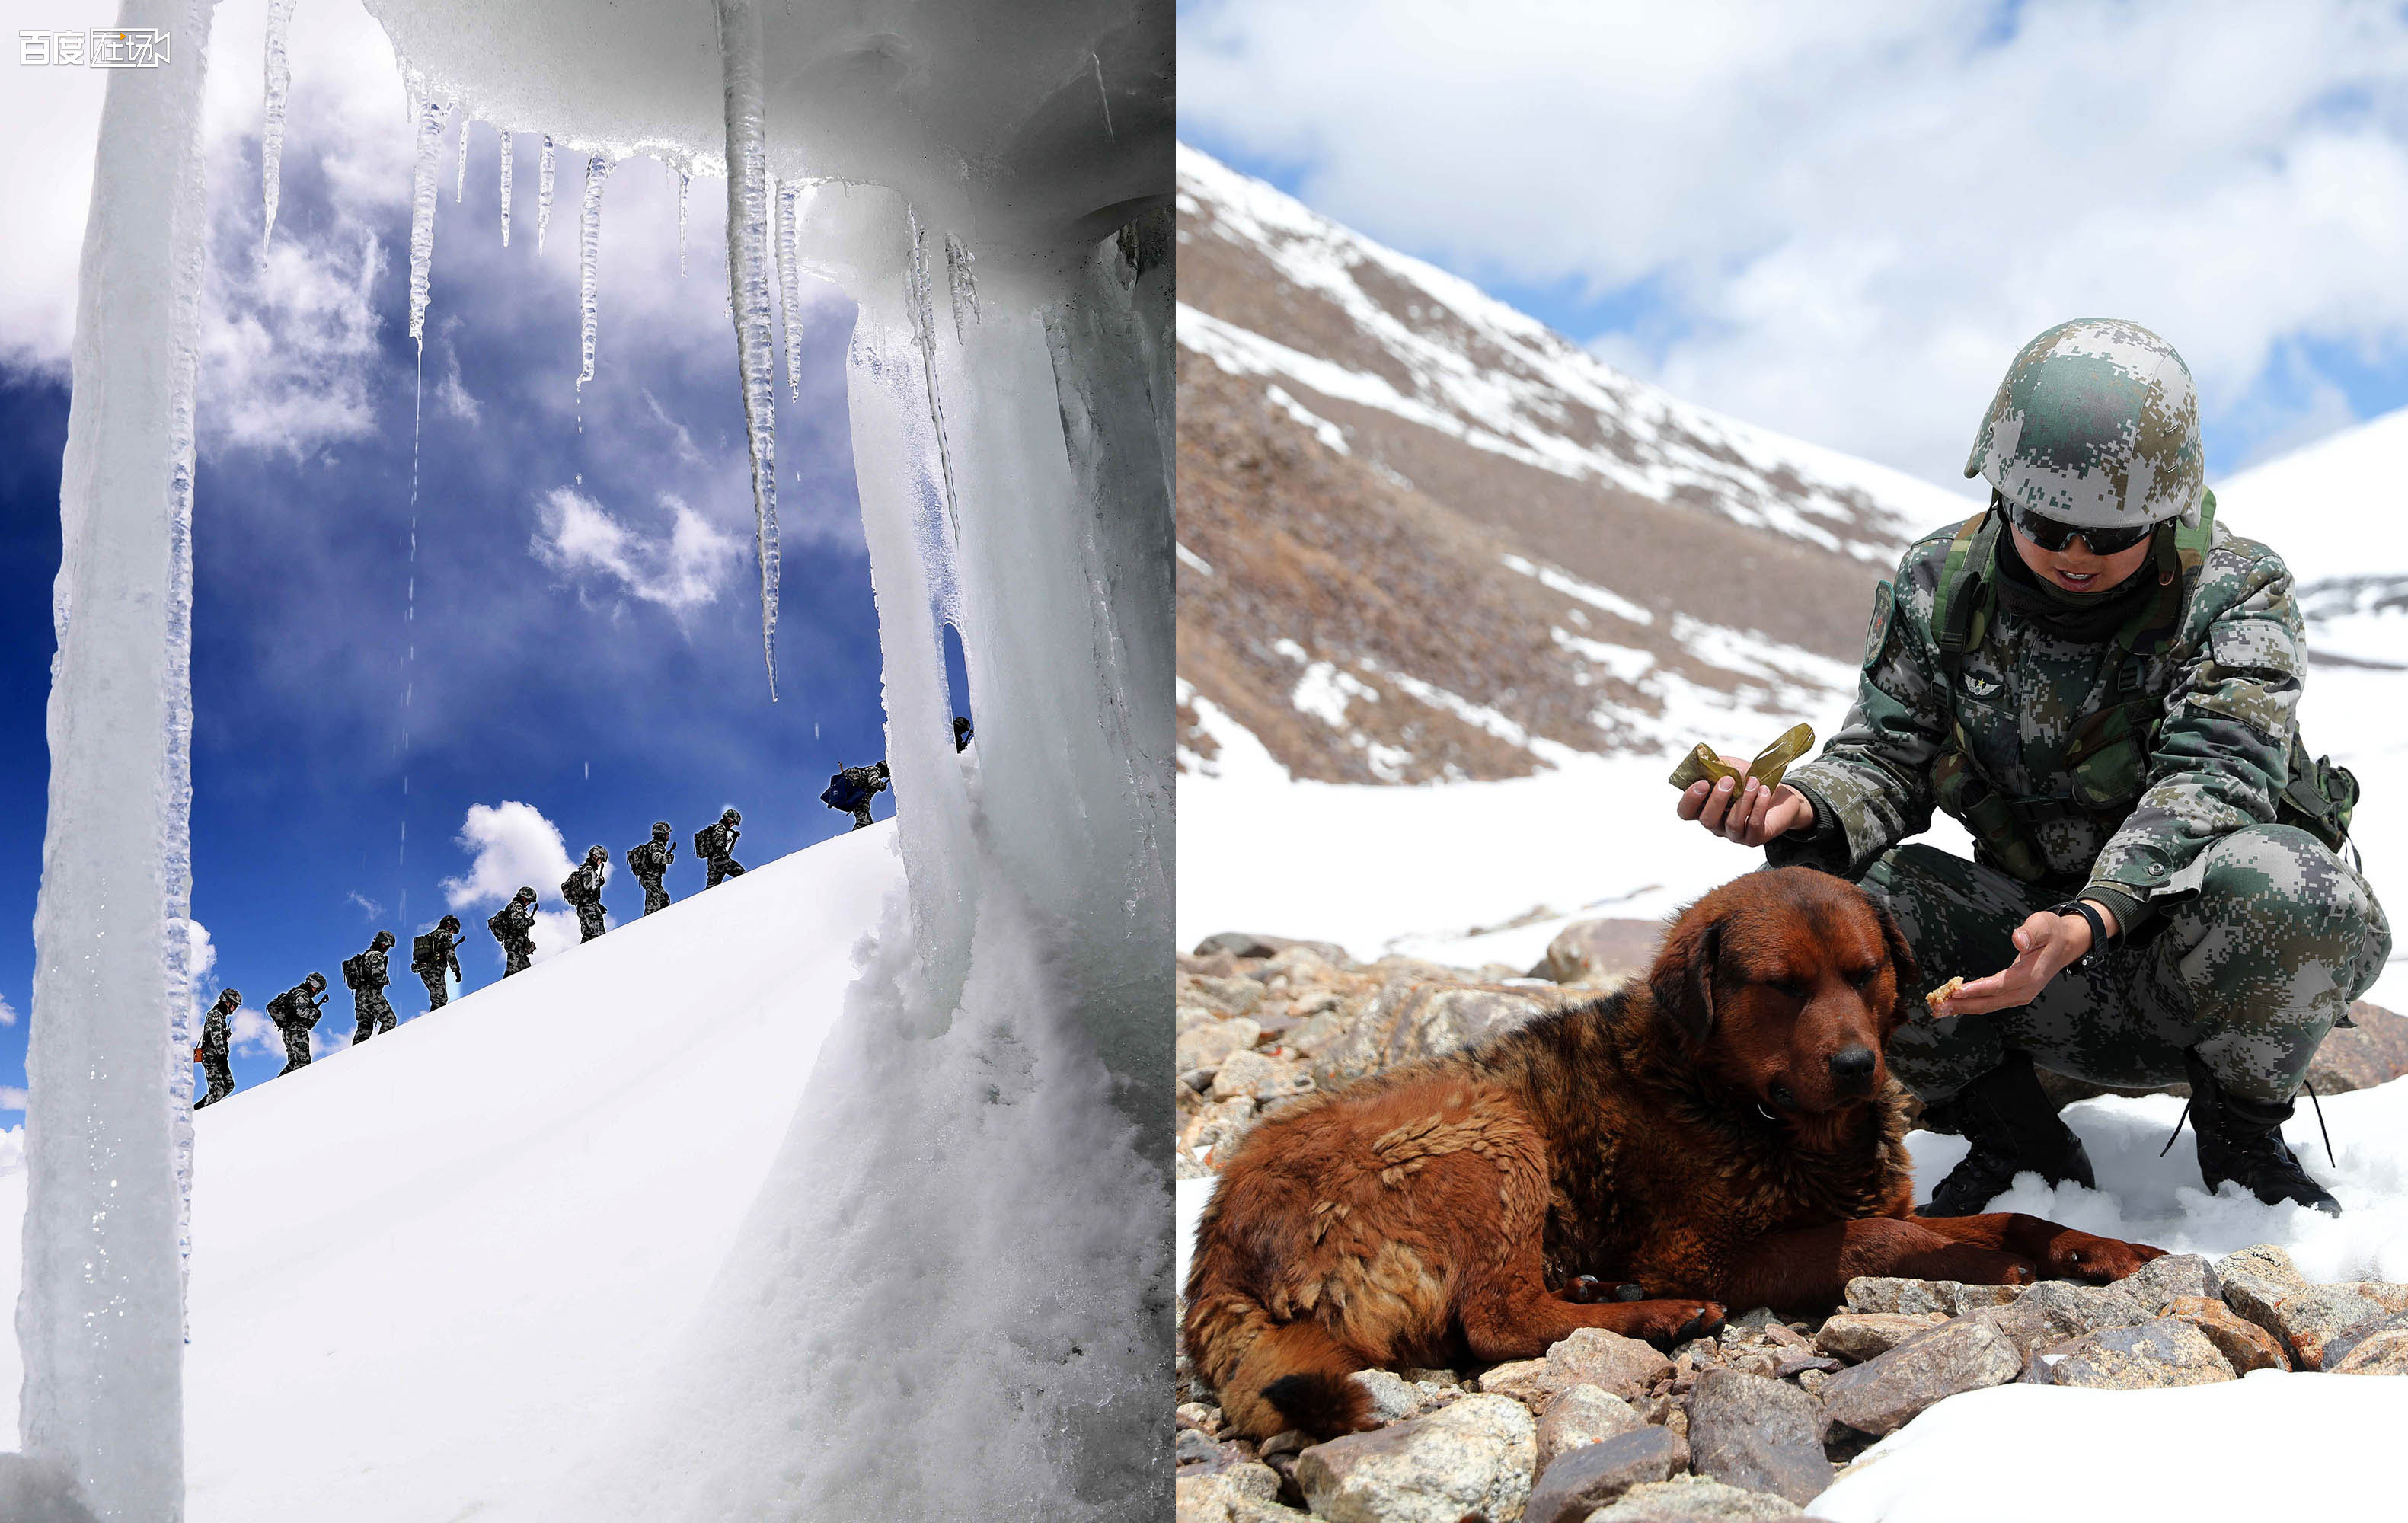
point(2102, 683)
point(850, 791)
point(650, 861)
point(432, 957)
point(582, 888)
point(295, 1013)
point(211, 1053)
point(513, 927)
point(366, 976)
point(715, 843)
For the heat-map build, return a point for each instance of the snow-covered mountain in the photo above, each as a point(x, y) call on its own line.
point(1423, 537)
point(2338, 512)
point(435, 1275)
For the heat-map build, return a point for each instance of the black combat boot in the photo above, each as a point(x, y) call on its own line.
point(2013, 1128)
point(2241, 1140)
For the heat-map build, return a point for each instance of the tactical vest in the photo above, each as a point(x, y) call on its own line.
point(2107, 755)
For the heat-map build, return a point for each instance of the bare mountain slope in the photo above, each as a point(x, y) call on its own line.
point(1424, 536)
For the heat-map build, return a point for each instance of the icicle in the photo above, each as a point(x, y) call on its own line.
point(271, 140)
point(460, 188)
point(543, 196)
point(429, 118)
point(790, 278)
point(748, 286)
point(685, 181)
point(1104, 95)
point(961, 274)
point(924, 338)
point(506, 189)
point(589, 240)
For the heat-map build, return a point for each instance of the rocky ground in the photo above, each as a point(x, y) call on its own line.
point(1752, 1423)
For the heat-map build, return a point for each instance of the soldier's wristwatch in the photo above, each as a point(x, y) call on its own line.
point(2098, 935)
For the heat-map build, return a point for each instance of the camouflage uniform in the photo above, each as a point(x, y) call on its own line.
point(432, 957)
point(367, 976)
point(513, 927)
point(851, 791)
point(213, 1048)
point(650, 862)
point(716, 842)
point(295, 1013)
point(2244, 937)
point(582, 889)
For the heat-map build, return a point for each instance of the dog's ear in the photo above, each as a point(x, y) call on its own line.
point(1907, 971)
point(1682, 979)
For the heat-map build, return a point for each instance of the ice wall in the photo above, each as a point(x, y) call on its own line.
point(100, 1318)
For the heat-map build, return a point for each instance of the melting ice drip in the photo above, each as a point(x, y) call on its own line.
point(460, 186)
point(543, 196)
point(506, 187)
point(271, 136)
point(789, 290)
point(924, 338)
point(685, 183)
point(748, 285)
point(589, 242)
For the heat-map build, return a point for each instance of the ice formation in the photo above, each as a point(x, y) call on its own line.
point(428, 119)
point(589, 244)
point(506, 188)
point(271, 131)
point(789, 290)
point(685, 183)
point(741, 50)
point(543, 194)
point(460, 181)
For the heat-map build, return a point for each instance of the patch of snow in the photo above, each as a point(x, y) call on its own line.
point(1573, 586)
point(1331, 435)
point(1191, 560)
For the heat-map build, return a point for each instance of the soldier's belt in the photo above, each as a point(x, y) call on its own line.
point(1701, 764)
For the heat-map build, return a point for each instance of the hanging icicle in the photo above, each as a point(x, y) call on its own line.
point(460, 188)
point(506, 187)
point(271, 138)
point(924, 338)
point(543, 196)
point(429, 119)
point(589, 240)
point(748, 286)
point(685, 183)
point(790, 279)
point(961, 275)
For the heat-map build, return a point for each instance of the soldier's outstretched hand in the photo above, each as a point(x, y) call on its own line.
point(2045, 944)
point(1746, 811)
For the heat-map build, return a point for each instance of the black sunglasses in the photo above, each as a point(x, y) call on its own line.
point(2056, 534)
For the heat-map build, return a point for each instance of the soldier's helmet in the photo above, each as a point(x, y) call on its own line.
point(597, 854)
point(525, 893)
point(732, 817)
point(384, 940)
point(660, 827)
point(230, 998)
point(449, 923)
point(2097, 425)
point(315, 981)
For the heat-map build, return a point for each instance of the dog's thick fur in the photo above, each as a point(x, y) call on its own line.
point(1723, 1133)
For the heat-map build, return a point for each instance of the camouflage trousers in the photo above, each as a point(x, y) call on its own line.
point(375, 1013)
point(516, 956)
point(724, 868)
point(590, 923)
point(656, 897)
point(861, 816)
point(220, 1077)
point(438, 988)
point(296, 1048)
point(2252, 970)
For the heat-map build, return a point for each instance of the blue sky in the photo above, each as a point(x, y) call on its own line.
point(1843, 224)
point(585, 629)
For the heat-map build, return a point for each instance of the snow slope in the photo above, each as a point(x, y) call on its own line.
point(426, 1271)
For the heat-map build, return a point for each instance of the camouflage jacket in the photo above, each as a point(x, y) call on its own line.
point(295, 1006)
point(213, 1031)
point(2221, 681)
point(367, 970)
point(717, 839)
point(444, 955)
point(584, 884)
point(512, 922)
point(652, 858)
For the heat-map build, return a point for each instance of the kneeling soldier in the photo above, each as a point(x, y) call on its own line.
point(212, 1052)
point(2102, 681)
point(365, 975)
point(650, 861)
point(514, 926)
point(295, 1013)
point(432, 957)
point(582, 888)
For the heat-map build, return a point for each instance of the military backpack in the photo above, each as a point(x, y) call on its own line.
point(355, 970)
point(425, 957)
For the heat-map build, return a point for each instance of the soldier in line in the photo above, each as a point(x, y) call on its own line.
point(514, 926)
point(582, 888)
point(211, 1053)
point(365, 974)
point(432, 955)
point(648, 861)
point(2103, 681)
point(295, 1013)
point(716, 844)
point(962, 733)
point(850, 791)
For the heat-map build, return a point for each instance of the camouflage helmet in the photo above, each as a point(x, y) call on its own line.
point(525, 893)
point(597, 854)
point(230, 998)
point(660, 827)
point(449, 923)
point(730, 815)
point(384, 940)
point(315, 981)
point(2097, 425)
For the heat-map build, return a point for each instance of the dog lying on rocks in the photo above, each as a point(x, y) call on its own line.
point(1723, 1133)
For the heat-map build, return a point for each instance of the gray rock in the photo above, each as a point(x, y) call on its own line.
point(2254, 1296)
point(1245, 944)
point(1225, 996)
point(2340, 1347)
point(1802, 1362)
point(2167, 1351)
point(1411, 1018)
point(1920, 1297)
point(2311, 1318)
point(2243, 1344)
point(2386, 1353)
point(2055, 1310)
point(1592, 1357)
point(1190, 1446)
point(1593, 1475)
point(1260, 1077)
point(1207, 1045)
point(1694, 1499)
point(1600, 952)
point(2160, 1280)
point(1964, 1354)
point(1246, 1493)
point(1473, 1457)
point(2266, 1259)
point(1580, 1416)
point(1304, 962)
point(1757, 1433)
point(1859, 1336)
point(1394, 1398)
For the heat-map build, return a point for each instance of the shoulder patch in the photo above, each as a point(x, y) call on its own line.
point(1877, 633)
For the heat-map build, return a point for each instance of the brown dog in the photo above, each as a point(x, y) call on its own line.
point(1723, 1134)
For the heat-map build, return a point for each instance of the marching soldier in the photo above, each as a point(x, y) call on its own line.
point(366, 976)
point(582, 888)
point(716, 844)
point(433, 955)
point(650, 861)
point(850, 791)
point(513, 927)
point(212, 1052)
point(295, 1013)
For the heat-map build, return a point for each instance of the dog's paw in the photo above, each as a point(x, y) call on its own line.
point(1964, 1262)
point(1585, 1290)
point(2082, 1256)
point(1665, 1323)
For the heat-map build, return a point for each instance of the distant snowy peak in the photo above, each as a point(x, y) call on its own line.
point(2336, 513)
point(1361, 323)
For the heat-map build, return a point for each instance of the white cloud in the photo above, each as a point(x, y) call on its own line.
point(288, 344)
point(368, 907)
point(680, 570)
point(511, 844)
point(7, 1011)
point(1843, 224)
point(12, 1098)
